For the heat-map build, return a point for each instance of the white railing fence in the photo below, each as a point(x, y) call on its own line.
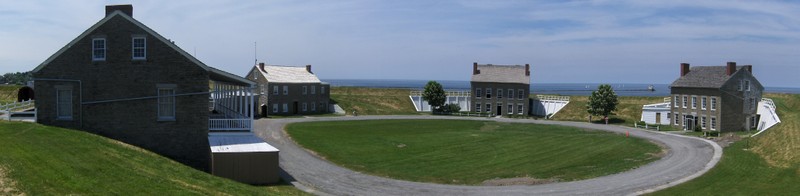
point(230, 124)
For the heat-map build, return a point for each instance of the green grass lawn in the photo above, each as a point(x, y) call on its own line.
point(628, 111)
point(373, 101)
point(43, 160)
point(470, 152)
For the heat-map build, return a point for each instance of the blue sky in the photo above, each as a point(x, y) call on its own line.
point(564, 41)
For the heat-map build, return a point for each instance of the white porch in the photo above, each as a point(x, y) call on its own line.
point(230, 107)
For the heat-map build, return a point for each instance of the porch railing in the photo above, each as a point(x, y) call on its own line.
point(242, 124)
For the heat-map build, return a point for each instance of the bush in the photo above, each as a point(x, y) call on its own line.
point(448, 108)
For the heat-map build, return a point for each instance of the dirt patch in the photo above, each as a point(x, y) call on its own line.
point(726, 139)
point(517, 181)
point(7, 185)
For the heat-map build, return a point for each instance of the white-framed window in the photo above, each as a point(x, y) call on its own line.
point(747, 85)
point(275, 90)
point(322, 90)
point(285, 108)
point(305, 106)
point(703, 122)
point(703, 103)
point(313, 89)
point(478, 107)
point(677, 99)
point(285, 90)
point(305, 90)
point(166, 102)
point(274, 108)
point(713, 123)
point(713, 103)
point(478, 93)
point(677, 120)
point(741, 83)
point(752, 103)
point(521, 94)
point(313, 106)
point(139, 49)
point(752, 122)
point(499, 93)
point(520, 108)
point(510, 93)
point(489, 107)
point(64, 103)
point(685, 101)
point(488, 93)
point(694, 102)
point(99, 49)
point(510, 108)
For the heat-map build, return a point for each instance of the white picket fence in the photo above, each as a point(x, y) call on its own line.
point(18, 108)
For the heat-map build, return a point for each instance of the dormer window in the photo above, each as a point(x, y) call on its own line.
point(139, 48)
point(98, 49)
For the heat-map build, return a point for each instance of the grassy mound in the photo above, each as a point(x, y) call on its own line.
point(472, 152)
point(780, 145)
point(8, 93)
point(373, 101)
point(43, 160)
point(628, 111)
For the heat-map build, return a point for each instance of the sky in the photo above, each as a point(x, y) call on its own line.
point(624, 41)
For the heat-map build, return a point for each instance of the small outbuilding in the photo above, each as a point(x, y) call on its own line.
point(657, 114)
point(243, 157)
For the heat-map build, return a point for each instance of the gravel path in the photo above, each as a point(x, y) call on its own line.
point(687, 158)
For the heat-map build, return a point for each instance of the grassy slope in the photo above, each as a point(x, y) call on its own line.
point(373, 101)
point(8, 93)
point(43, 160)
point(628, 111)
point(770, 167)
point(469, 152)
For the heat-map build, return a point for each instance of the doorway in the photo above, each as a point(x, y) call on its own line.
point(689, 123)
point(658, 118)
point(263, 110)
point(295, 108)
point(499, 108)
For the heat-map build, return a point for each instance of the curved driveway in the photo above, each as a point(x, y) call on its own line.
point(687, 158)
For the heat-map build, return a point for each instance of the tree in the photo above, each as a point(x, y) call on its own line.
point(434, 94)
point(603, 102)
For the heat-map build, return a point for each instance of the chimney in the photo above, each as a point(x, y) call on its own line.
point(308, 68)
point(731, 68)
point(684, 69)
point(126, 9)
point(475, 70)
point(527, 69)
point(749, 68)
point(261, 67)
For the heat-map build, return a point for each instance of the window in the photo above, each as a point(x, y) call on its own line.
point(275, 90)
point(703, 122)
point(713, 103)
point(99, 49)
point(677, 120)
point(704, 103)
point(322, 90)
point(739, 88)
point(489, 107)
point(285, 108)
point(166, 102)
point(499, 93)
point(139, 46)
point(752, 103)
point(747, 85)
point(477, 107)
point(713, 123)
point(752, 122)
point(685, 101)
point(488, 93)
point(263, 88)
point(694, 102)
point(510, 93)
point(313, 106)
point(676, 101)
point(274, 108)
point(478, 93)
point(64, 103)
point(285, 90)
point(520, 109)
point(521, 94)
point(305, 90)
point(313, 90)
point(305, 106)
point(510, 108)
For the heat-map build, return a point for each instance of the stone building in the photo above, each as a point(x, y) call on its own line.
point(288, 90)
point(122, 80)
point(500, 89)
point(715, 98)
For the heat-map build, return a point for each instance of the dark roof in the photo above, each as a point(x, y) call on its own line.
point(502, 74)
point(705, 77)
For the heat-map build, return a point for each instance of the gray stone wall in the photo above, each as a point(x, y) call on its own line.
point(125, 88)
point(496, 100)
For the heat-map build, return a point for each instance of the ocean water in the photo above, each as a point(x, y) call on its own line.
point(585, 89)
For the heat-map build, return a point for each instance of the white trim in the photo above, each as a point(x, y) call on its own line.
point(105, 49)
point(166, 98)
point(511, 94)
point(510, 108)
point(143, 48)
point(71, 103)
point(703, 102)
point(694, 102)
point(714, 101)
point(274, 108)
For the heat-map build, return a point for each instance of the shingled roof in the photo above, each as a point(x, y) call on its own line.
point(288, 74)
point(705, 77)
point(501, 74)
